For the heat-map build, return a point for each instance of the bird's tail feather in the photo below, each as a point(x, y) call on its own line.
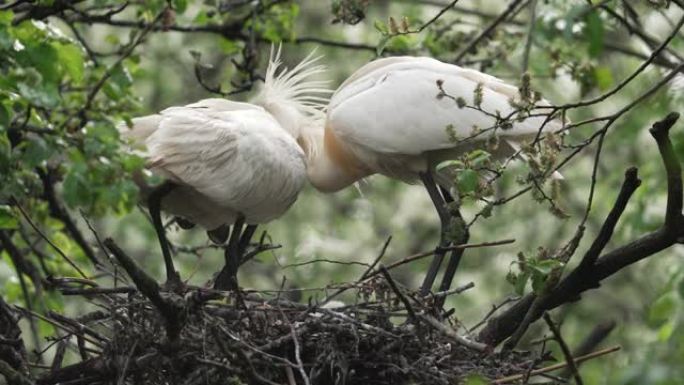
point(135, 135)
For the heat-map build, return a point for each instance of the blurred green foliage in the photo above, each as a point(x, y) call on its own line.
point(66, 83)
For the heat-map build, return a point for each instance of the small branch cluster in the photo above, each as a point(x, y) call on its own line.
point(595, 266)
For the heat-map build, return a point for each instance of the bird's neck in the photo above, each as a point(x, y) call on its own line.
point(330, 165)
point(289, 118)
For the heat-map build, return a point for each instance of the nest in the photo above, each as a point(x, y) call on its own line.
point(147, 333)
point(245, 338)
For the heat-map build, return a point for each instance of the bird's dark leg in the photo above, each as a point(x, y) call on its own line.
point(227, 278)
point(460, 237)
point(154, 206)
point(245, 239)
point(440, 205)
point(184, 223)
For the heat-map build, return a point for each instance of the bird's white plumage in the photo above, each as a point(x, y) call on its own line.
point(292, 95)
point(231, 158)
point(388, 118)
point(228, 159)
point(397, 97)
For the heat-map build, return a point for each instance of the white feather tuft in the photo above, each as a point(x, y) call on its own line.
point(291, 95)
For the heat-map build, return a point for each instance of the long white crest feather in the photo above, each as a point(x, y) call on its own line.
point(294, 87)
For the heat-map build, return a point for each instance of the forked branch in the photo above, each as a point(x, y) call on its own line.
point(593, 269)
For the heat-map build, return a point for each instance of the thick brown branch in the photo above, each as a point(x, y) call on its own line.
point(660, 132)
point(630, 184)
point(171, 309)
point(227, 30)
point(40, 11)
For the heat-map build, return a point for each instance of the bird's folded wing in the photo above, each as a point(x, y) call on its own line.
point(143, 127)
point(240, 158)
point(398, 108)
point(189, 146)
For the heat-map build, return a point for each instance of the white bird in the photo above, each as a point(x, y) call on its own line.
point(389, 118)
point(231, 163)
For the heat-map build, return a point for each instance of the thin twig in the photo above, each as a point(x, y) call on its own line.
point(417, 256)
point(400, 295)
point(551, 368)
point(452, 334)
point(564, 348)
point(487, 30)
point(46, 239)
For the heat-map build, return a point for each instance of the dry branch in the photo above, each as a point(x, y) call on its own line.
point(13, 360)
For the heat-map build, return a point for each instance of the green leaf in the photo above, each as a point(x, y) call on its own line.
point(71, 60)
point(7, 218)
point(479, 157)
point(202, 17)
point(382, 44)
point(594, 33)
point(43, 57)
point(4, 115)
point(381, 27)
point(36, 152)
point(666, 330)
point(12, 290)
point(42, 95)
point(76, 190)
point(180, 5)
point(132, 163)
point(121, 77)
point(664, 308)
point(5, 152)
point(538, 281)
point(6, 18)
point(228, 46)
point(467, 181)
point(112, 39)
point(543, 267)
point(604, 78)
point(521, 282)
point(6, 40)
point(401, 43)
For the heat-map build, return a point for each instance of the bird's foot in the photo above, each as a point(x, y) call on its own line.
point(174, 284)
point(226, 280)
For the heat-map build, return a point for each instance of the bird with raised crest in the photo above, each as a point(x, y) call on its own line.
point(230, 164)
point(403, 116)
